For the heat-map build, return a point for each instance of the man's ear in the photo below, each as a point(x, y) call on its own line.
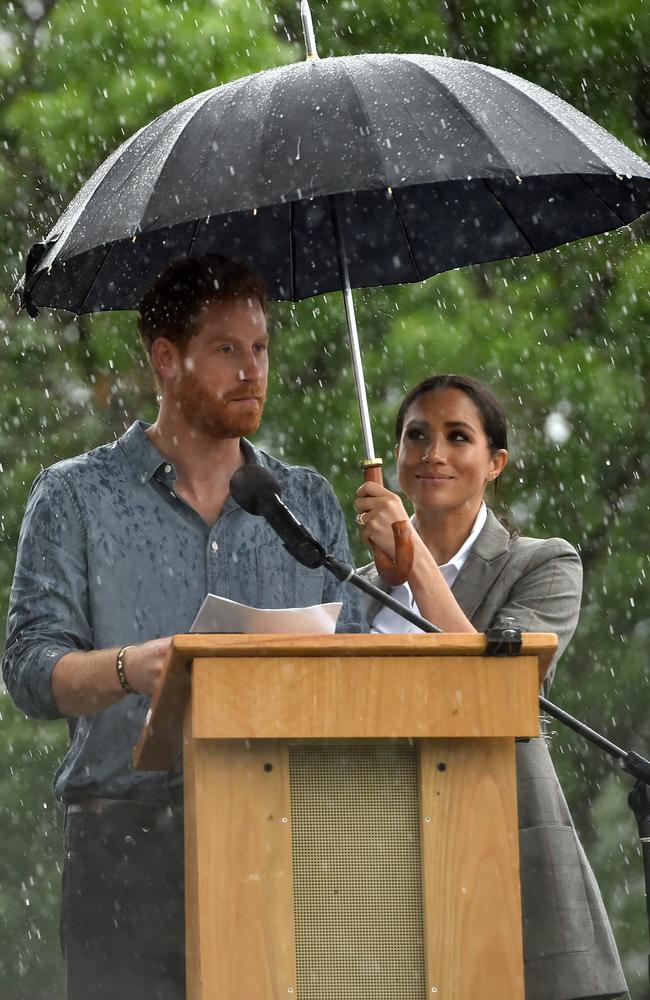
point(166, 360)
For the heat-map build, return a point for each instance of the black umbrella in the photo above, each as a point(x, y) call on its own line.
point(434, 163)
point(339, 173)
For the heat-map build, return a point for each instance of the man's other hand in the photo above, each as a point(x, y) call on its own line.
point(85, 683)
point(143, 664)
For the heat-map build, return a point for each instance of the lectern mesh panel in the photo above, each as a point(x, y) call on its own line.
point(356, 872)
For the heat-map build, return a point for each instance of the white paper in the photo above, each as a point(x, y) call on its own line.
point(218, 614)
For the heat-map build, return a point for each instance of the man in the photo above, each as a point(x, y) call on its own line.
point(117, 551)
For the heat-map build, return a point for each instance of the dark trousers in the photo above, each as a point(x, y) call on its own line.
point(122, 915)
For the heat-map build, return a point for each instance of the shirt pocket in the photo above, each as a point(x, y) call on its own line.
point(282, 582)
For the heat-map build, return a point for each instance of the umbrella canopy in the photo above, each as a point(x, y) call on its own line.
point(433, 163)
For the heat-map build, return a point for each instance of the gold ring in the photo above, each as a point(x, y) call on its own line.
point(361, 519)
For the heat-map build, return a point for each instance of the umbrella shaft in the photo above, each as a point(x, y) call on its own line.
point(308, 29)
point(357, 368)
point(353, 337)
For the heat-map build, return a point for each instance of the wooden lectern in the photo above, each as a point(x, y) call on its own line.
point(350, 812)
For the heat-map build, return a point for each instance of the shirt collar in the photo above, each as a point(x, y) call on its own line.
point(146, 460)
point(458, 560)
point(143, 457)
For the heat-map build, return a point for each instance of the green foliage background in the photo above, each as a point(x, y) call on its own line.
point(562, 338)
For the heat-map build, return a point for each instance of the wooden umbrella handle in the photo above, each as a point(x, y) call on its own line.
point(397, 571)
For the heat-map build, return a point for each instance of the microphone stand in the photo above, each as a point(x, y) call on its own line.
point(638, 799)
point(301, 544)
point(347, 574)
point(504, 639)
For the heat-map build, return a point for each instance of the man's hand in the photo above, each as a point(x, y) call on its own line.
point(143, 664)
point(86, 683)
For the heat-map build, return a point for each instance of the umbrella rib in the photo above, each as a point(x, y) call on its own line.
point(380, 158)
point(556, 121)
point(95, 276)
point(151, 140)
point(586, 182)
point(199, 106)
point(460, 108)
point(262, 159)
point(101, 182)
point(505, 78)
point(507, 211)
point(194, 235)
point(371, 131)
point(512, 83)
point(292, 251)
point(417, 125)
point(449, 94)
point(67, 221)
point(580, 177)
point(405, 235)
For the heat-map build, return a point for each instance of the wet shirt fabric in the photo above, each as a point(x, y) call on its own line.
point(110, 555)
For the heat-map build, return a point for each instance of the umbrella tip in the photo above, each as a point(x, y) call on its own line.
point(308, 29)
point(24, 299)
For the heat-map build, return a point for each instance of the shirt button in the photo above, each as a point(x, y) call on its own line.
point(214, 547)
point(168, 469)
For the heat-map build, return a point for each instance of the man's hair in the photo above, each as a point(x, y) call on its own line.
point(172, 305)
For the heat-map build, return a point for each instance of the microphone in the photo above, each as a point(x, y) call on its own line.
point(258, 492)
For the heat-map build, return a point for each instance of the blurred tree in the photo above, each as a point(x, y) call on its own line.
point(560, 337)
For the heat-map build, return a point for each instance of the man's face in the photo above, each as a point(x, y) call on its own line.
point(222, 371)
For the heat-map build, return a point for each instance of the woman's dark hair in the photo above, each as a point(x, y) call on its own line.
point(492, 415)
point(172, 305)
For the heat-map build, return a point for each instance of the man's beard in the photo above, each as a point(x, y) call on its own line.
point(216, 416)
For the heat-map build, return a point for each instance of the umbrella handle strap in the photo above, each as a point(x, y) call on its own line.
point(396, 571)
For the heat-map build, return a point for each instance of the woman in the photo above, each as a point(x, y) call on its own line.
point(468, 573)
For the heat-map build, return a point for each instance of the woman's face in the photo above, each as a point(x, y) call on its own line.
point(443, 457)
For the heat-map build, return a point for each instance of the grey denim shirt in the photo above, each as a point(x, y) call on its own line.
point(110, 555)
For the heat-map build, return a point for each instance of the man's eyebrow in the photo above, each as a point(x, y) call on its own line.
point(218, 335)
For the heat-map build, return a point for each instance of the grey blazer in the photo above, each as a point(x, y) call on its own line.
point(569, 949)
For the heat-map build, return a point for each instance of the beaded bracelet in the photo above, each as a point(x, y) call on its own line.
point(121, 675)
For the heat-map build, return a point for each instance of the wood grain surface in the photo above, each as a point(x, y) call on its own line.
point(160, 738)
point(470, 859)
point(239, 888)
point(371, 697)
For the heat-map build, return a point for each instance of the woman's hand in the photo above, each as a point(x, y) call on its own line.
point(380, 509)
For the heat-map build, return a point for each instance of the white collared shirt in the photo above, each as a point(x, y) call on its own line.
point(389, 622)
